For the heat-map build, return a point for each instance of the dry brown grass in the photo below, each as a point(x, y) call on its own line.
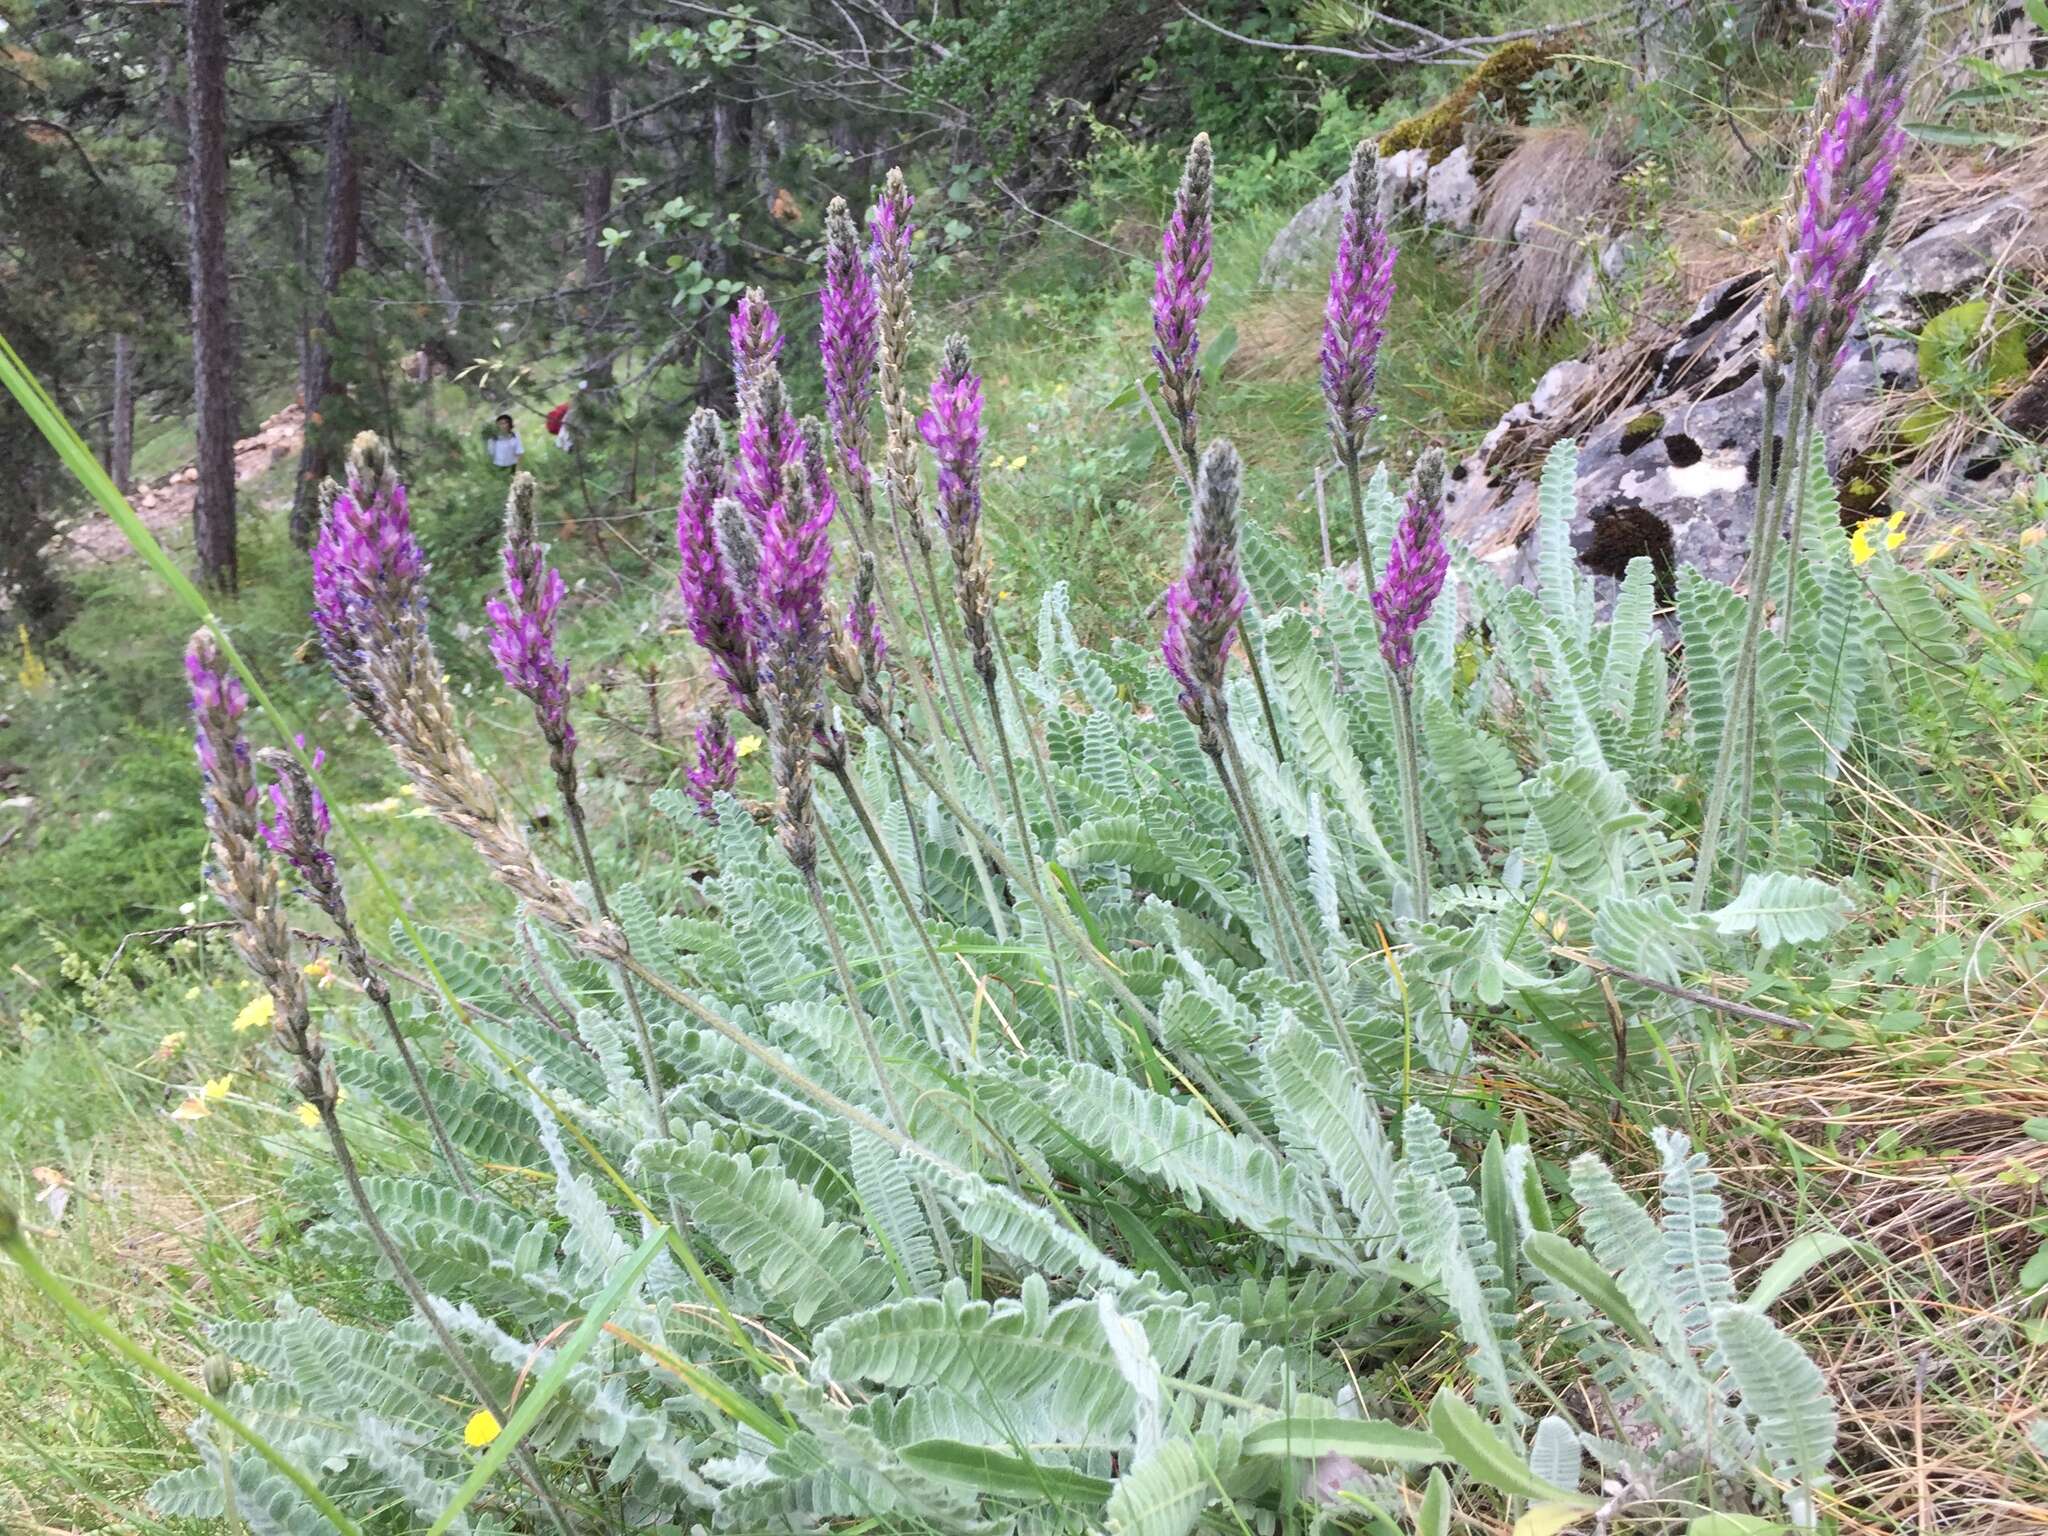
point(1543, 209)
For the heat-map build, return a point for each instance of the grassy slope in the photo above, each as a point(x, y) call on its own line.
point(1907, 1116)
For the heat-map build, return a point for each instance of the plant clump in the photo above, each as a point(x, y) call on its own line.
point(1494, 85)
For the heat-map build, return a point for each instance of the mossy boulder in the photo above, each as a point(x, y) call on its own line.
point(1496, 80)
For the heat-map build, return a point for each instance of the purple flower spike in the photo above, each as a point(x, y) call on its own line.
point(863, 627)
point(952, 430)
point(1416, 567)
point(1203, 606)
point(711, 604)
point(306, 854)
point(756, 339)
point(795, 557)
point(1354, 321)
point(794, 634)
point(369, 574)
point(523, 625)
point(769, 444)
point(847, 341)
point(889, 236)
point(1849, 187)
point(717, 767)
point(1180, 291)
point(218, 703)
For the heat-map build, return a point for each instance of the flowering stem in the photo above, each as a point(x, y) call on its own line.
point(15, 1245)
point(1411, 794)
point(1288, 913)
point(865, 817)
point(866, 1030)
point(1059, 923)
point(642, 1037)
point(1355, 480)
point(486, 1397)
point(950, 668)
point(1183, 457)
point(1038, 758)
point(1735, 734)
point(1027, 850)
point(457, 1166)
point(1254, 850)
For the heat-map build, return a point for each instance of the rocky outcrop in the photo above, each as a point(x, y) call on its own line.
point(1669, 431)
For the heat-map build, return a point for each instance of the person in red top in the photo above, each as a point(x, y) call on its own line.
point(558, 425)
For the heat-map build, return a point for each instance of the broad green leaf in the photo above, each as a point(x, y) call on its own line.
point(1308, 1436)
point(1799, 1256)
point(1577, 1271)
point(1471, 1442)
point(991, 1471)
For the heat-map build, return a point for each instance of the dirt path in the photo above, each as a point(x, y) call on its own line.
point(166, 506)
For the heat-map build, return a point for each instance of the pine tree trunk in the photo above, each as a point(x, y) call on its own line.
point(344, 208)
point(597, 207)
point(121, 430)
point(213, 370)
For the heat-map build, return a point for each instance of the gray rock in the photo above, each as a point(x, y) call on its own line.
point(1301, 254)
point(1450, 198)
point(1307, 243)
point(1668, 468)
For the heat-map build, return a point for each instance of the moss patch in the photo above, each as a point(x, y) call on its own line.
point(1641, 430)
point(1497, 79)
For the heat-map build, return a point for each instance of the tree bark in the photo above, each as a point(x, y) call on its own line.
point(121, 430)
point(597, 207)
point(344, 207)
point(213, 368)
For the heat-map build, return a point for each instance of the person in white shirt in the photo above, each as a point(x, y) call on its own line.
point(505, 446)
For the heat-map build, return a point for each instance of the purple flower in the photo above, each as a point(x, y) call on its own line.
point(890, 232)
point(1180, 291)
point(795, 558)
point(1203, 605)
point(793, 635)
point(756, 339)
point(952, 430)
point(710, 604)
point(717, 767)
point(769, 443)
point(846, 339)
point(523, 626)
point(301, 842)
point(1354, 321)
point(369, 574)
point(1416, 567)
point(1847, 189)
point(864, 635)
point(218, 703)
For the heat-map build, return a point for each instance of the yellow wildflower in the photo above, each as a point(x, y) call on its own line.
point(1860, 548)
point(256, 1013)
point(1895, 530)
point(309, 1117)
point(192, 1109)
point(217, 1088)
point(746, 746)
point(319, 971)
point(481, 1429)
point(192, 994)
point(35, 677)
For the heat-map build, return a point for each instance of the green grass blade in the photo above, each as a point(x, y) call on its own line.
point(535, 1403)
